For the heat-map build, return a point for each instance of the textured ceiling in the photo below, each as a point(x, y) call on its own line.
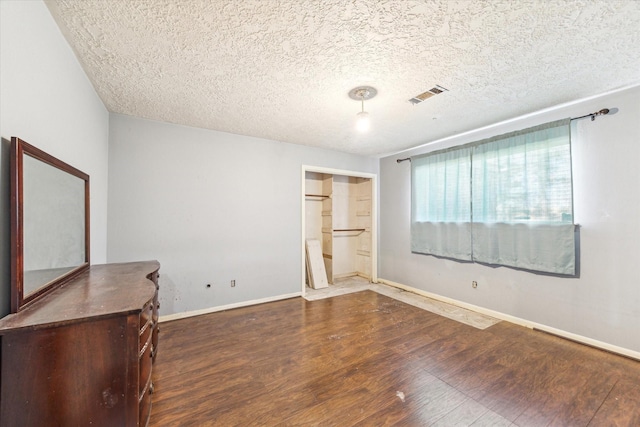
point(282, 69)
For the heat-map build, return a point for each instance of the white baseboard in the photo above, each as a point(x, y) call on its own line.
point(518, 321)
point(184, 315)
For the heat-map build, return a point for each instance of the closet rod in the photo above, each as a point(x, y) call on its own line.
point(403, 160)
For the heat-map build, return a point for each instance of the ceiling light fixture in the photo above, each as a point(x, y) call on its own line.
point(362, 93)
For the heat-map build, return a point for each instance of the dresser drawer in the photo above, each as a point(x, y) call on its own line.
point(154, 342)
point(148, 339)
point(145, 337)
point(156, 329)
point(145, 368)
point(146, 316)
point(145, 409)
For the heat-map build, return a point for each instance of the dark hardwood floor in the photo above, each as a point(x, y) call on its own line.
point(364, 359)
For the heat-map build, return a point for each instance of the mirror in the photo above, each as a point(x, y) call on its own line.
point(49, 223)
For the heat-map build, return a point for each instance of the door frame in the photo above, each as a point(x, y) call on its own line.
point(374, 216)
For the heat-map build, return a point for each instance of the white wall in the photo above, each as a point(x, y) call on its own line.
point(603, 304)
point(47, 100)
point(211, 207)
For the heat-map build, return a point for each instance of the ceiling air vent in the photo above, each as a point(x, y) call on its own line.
point(428, 94)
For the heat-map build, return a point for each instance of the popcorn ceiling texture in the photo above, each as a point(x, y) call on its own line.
point(282, 69)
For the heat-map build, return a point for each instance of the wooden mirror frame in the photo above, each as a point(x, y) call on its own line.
point(19, 149)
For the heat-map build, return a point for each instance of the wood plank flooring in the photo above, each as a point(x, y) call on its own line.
point(365, 359)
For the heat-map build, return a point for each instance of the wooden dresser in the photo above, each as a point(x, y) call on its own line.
point(83, 354)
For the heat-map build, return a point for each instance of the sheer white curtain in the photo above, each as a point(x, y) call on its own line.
point(523, 200)
point(506, 200)
point(441, 204)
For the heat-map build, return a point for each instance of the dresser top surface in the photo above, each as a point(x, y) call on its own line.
point(102, 290)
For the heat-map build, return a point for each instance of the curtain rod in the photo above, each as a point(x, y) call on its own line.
point(602, 112)
point(593, 116)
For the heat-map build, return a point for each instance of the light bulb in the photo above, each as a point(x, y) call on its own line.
point(362, 121)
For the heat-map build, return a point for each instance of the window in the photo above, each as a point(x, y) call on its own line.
point(507, 200)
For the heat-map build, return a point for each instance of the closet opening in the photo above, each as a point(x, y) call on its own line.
point(338, 227)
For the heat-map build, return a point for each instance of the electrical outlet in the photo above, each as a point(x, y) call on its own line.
point(233, 283)
point(474, 284)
